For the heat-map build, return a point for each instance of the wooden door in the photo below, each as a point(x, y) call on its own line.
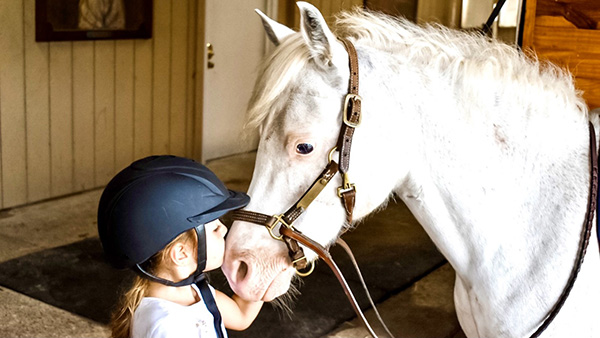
point(237, 42)
point(567, 32)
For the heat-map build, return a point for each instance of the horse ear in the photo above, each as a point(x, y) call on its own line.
point(275, 31)
point(319, 38)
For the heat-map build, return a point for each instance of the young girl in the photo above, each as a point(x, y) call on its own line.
point(159, 217)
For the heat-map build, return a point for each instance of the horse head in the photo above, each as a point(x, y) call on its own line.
point(297, 106)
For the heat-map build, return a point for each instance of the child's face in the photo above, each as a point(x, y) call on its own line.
point(215, 244)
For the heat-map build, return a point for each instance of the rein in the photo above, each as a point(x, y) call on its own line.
point(585, 236)
point(347, 192)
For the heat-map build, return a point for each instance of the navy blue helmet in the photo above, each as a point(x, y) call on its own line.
point(151, 202)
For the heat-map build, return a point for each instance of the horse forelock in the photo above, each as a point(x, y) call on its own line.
point(276, 75)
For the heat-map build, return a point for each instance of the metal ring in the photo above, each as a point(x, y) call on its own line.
point(278, 220)
point(330, 155)
point(304, 274)
point(279, 238)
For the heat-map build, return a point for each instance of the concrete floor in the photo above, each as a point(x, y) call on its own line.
point(54, 283)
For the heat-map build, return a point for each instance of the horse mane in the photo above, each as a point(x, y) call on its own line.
point(275, 74)
point(454, 54)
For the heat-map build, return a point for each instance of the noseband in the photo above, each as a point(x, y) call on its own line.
point(351, 119)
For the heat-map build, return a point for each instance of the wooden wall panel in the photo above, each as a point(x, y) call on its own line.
point(124, 86)
point(74, 113)
point(37, 110)
point(142, 107)
point(162, 78)
point(61, 118)
point(84, 172)
point(12, 105)
point(104, 110)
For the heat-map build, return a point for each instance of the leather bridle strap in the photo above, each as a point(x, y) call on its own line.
point(286, 219)
point(351, 118)
point(585, 236)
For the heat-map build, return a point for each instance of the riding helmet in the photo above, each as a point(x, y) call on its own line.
point(148, 204)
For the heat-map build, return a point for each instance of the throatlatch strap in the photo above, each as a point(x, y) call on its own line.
point(585, 236)
point(211, 305)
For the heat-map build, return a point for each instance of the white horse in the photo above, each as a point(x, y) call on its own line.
point(488, 148)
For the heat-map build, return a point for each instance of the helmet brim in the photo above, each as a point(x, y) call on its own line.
point(236, 200)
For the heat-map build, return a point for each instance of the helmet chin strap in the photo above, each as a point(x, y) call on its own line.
point(195, 277)
point(198, 278)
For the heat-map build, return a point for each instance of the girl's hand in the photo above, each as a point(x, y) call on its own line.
point(236, 312)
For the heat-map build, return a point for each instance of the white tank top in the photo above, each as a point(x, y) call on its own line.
point(160, 318)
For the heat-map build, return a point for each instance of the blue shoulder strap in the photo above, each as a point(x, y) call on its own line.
point(211, 304)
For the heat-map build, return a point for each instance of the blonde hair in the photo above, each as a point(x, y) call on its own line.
point(121, 318)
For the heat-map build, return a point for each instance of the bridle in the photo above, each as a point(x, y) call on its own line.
point(351, 118)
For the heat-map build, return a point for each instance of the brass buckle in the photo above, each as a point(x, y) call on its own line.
point(346, 186)
point(278, 220)
point(353, 97)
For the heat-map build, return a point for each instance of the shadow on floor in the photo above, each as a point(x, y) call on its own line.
point(391, 248)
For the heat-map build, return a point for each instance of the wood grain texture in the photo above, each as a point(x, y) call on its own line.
point(61, 118)
point(124, 89)
point(12, 105)
point(37, 109)
point(83, 116)
point(74, 113)
point(566, 33)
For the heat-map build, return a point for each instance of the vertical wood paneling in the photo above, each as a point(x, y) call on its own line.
point(61, 108)
point(104, 110)
point(143, 98)
point(191, 75)
point(74, 113)
point(12, 105)
point(37, 111)
point(124, 70)
point(179, 19)
point(83, 115)
point(162, 78)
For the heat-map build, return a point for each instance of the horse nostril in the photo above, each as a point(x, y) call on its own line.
point(242, 271)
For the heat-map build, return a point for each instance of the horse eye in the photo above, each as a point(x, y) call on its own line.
point(304, 148)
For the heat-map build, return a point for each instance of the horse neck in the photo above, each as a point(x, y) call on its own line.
point(501, 189)
point(501, 220)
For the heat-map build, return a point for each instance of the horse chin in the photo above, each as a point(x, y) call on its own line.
point(279, 285)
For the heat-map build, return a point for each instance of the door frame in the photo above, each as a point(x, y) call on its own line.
point(198, 75)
